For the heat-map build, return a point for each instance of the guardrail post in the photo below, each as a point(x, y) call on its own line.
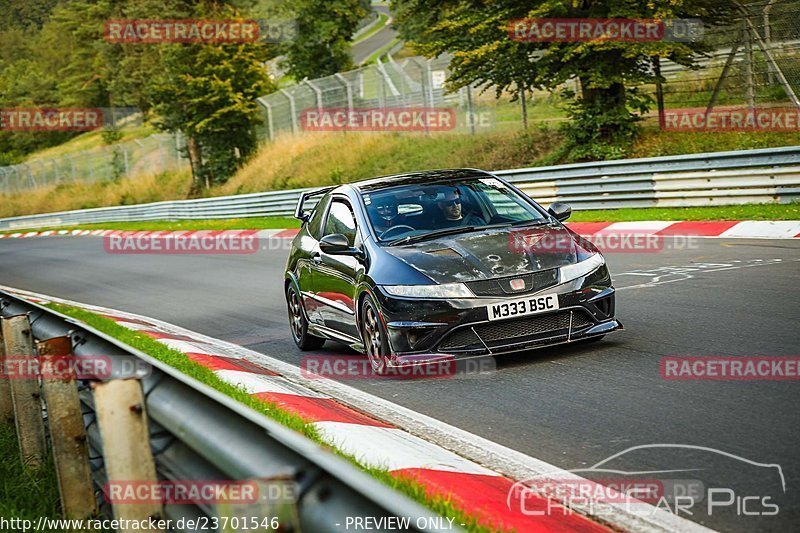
point(6, 405)
point(122, 419)
point(67, 433)
point(25, 394)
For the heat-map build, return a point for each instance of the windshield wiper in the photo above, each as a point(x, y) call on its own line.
point(432, 235)
point(521, 223)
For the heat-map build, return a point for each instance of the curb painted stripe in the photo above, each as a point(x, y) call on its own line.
point(700, 228)
point(761, 228)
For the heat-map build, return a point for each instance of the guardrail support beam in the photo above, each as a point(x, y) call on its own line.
point(67, 434)
point(6, 404)
point(25, 389)
point(122, 418)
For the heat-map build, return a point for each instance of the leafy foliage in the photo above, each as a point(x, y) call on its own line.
point(322, 46)
point(604, 113)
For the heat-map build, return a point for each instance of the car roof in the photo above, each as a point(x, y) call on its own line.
point(411, 178)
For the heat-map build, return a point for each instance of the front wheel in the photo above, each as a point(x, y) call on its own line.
point(374, 335)
point(298, 323)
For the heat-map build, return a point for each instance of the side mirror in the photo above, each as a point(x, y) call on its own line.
point(337, 244)
point(560, 211)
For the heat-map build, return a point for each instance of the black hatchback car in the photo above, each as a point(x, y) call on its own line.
point(430, 266)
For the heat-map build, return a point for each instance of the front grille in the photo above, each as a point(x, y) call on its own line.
point(521, 329)
point(460, 339)
point(535, 281)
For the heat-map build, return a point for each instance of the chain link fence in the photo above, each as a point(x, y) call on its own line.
point(755, 63)
point(155, 153)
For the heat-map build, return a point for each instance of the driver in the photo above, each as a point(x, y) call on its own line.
point(388, 216)
point(450, 207)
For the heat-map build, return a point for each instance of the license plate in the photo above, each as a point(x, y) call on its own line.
point(525, 306)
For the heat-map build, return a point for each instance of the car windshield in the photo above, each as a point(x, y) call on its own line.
point(408, 213)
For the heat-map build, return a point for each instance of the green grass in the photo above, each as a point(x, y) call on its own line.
point(92, 140)
point(728, 212)
point(180, 361)
point(439, 504)
point(25, 493)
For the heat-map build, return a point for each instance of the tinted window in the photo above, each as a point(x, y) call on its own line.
point(410, 210)
point(341, 220)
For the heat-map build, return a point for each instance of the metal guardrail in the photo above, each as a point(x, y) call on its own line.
point(719, 178)
point(198, 433)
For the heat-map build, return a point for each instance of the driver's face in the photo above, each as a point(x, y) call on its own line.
point(387, 211)
point(451, 206)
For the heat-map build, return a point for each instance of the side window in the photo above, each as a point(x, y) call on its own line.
point(341, 220)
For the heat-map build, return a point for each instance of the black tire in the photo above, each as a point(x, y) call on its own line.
point(298, 323)
point(373, 333)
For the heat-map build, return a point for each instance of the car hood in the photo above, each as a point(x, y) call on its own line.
point(493, 253)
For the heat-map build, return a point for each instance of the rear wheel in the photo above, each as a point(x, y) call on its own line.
point(374, 335)
point(298, 323)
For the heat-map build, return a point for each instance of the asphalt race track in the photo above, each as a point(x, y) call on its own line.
point(571, 406)
point(362, 50)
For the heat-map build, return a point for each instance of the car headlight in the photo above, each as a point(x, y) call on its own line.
point(445, 290)
point(580, 269)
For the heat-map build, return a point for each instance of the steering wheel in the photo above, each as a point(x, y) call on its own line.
point(394, 229)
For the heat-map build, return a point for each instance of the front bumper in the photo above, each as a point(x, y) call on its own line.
point(422, 331)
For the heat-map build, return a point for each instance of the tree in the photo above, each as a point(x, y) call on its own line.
point(208, 92)
point(605, 112)
point(324, 30)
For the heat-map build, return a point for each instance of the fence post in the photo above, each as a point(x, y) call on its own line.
point(122, 419)
point(524, 105)
point(268, 107)
point(6, 404)
point(768, 39)
point(659, 92)
point(348, 93)
point(25, 394)
point(292, 109)
point(317, 94)
point(748, 69)
point(67, 434)
point(470, 113)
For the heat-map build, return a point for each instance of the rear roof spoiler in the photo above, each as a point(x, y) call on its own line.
point(298, 212)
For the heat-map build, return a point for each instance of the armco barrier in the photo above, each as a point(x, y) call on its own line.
point(719, 178)
point(197, 433)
